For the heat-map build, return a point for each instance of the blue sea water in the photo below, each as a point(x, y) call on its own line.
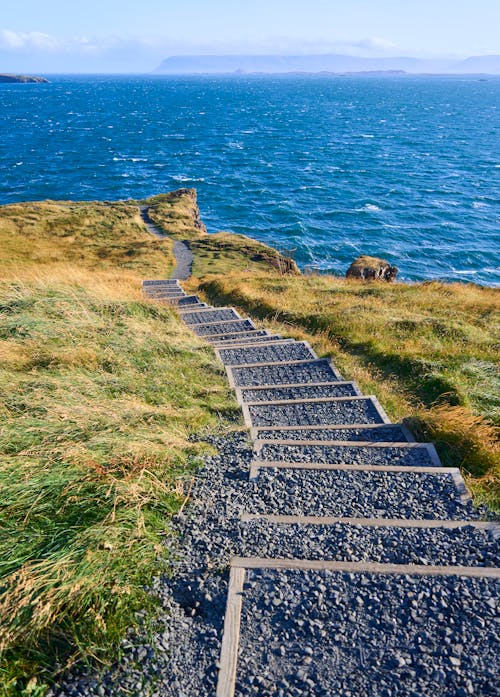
point(407, 168)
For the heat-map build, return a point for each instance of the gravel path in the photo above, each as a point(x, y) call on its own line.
point(252, 334)
point(325, 634)
point(347, 454)
point(182, 253)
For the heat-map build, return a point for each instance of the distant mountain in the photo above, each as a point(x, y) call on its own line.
point(332, 63)
point(480, 64)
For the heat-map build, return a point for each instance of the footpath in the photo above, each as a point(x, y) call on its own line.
point(363, 567)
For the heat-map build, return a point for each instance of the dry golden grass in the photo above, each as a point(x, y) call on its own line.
point(428, 351)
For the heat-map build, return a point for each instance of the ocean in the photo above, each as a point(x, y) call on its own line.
point(328, 167)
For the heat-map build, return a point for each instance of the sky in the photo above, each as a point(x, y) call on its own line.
point(131, 36)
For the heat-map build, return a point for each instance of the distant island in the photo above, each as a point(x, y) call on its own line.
point(325, 63)
point(6, 77)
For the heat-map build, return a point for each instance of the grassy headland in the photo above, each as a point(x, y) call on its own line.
point(101, 390)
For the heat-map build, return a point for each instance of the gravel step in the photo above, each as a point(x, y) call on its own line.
point(397, 454)
point(165, 295)
point(251, 334)
point(186, 300)
point(205, 316)
point(384, 433)
point(324, 633)
point(162, 282)
point(301, 372)
point(248, 341)
point(219, 328)
point(361, 494)
point(292, 392)
point(388, 544)
point(349, 410)
point(281, 353)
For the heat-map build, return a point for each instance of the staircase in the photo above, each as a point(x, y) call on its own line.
point(331, 481)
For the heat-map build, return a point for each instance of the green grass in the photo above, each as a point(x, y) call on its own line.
point(217, 253)
point(429, 352)
point(100, 392)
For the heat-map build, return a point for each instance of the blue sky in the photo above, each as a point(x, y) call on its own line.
point(120, 35)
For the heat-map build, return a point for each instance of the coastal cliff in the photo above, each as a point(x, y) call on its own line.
point(22, 79)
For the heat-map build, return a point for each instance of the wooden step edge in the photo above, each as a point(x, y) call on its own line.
point(490, 526)
point(213, 338)
point(226, 682)
point(257, 465)
point(207, 308)
point(254, 431)
point(256, 344)
point(365, 567)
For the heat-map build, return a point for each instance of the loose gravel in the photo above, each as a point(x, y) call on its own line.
point(293, 351)
point(223, 328)
point(321, 633)
point(178, 657)
point(253, 333)
point(184, 260)
point(466, 546)
point(285, 374)
point(381, 434)
point(275, 394)
point(209, 316)
point(347, 454)
point(358, 494)
point(248, 340)
point(186, 300)
point(358, 411)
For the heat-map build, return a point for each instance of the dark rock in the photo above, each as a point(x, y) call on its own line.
point(372, 269)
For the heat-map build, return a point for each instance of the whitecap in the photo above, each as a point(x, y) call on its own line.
point(369, 207)
point(479, 204)
point(366, 135)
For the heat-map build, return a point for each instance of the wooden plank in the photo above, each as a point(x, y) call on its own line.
point(226, 682)
point(281, 464)
point(365, 567)
point(490, 526)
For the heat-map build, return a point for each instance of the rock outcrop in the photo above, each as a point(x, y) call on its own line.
point(5, 77)
point(372, 269)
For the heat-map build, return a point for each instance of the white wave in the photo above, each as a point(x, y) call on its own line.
point(479, 204)
point(370, 207)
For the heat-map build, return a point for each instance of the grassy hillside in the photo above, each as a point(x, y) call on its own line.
point(215, 253)
point(428, 351)
point(100, 392)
